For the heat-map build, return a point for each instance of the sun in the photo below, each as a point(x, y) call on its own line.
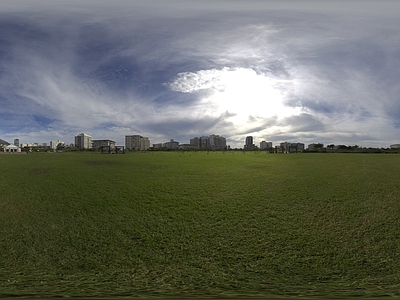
point(245, 98)
point(244, 93)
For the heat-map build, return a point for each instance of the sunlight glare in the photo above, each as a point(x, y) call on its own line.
point(246, 94)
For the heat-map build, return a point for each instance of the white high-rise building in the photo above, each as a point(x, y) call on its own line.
point(217, 142)
point(137, 142)
point(83, 141)
point(144, 143)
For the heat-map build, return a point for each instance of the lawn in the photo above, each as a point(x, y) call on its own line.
point(198, 224)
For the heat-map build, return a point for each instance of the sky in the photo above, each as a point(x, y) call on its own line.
point(314, 71)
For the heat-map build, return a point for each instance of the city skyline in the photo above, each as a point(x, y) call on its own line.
point(211, 142)
point(301, 71)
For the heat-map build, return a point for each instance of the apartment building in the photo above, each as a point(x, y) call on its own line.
point(213, 142)
point(109, 144)
point(249, 145)
point(137, 142)
point(265, 145)
point(83, 141)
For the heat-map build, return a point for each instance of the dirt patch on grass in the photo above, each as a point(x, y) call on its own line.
point(39, 171)
point(101, 163)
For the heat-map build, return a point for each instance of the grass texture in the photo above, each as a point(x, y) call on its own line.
point(197, 224)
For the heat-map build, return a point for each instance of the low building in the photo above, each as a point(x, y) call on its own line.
point(12, 149)
point(55, 144)
point(171, 145)
point(314, 146)
point(186, 146)
point(395, 146)
point(103, 144)
point(291, 147)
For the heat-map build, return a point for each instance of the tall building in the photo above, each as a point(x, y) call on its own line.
point(249, 143)
point(16, 142)
point(195, 142)
point(83, 141)
point(217, 142)
point(137, 142)
point(213, 142)
point(144, 143)
point(265, 145)
point(204, 142)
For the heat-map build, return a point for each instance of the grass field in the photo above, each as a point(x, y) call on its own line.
point(172, 224)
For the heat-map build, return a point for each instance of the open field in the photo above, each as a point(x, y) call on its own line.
point(200, 224)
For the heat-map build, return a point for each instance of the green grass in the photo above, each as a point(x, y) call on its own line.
point(172, 224)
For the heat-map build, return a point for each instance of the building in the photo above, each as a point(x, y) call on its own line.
point(285, 146)
point(217, 142)
point(249, 145)
point(16, 142)
point(297, 147)
point(395, 146)
point(12, 149)
point(103, 144)
point(314, 146)
point(144, 143)
point(291, 147)
point(204, 142)
point(83, 141)
point(265, 145)
point(137, 142)
point(186, 147)
point(171, 145)
point(195, 142)
point(212, 142)
point(55, 144)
